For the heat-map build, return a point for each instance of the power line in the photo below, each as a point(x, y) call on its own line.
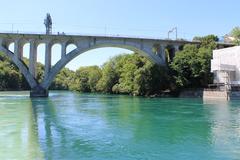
point(17, 26)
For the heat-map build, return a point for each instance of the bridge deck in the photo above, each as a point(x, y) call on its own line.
point(63, 36)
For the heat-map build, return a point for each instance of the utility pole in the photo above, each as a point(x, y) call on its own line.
point(172, 30)
point(105, 30)
point(12, 27)
point(176, 30)
point(48, 24)
point(169, 33)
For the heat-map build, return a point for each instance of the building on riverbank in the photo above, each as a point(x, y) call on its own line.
point(225, 66)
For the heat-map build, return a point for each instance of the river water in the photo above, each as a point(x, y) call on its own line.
point(70, 125)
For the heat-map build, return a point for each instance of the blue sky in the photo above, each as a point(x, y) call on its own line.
point(152, 18)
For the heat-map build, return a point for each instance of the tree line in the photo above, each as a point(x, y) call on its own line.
point(127, 73)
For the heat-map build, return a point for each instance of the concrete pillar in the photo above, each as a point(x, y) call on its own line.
point(38, 91)
point(176, 49)
point(18, 49)
point(48, 58)
point(64, 49)
point(7, 44)
point(33, 58)
point(162, 53)
point(1, 42)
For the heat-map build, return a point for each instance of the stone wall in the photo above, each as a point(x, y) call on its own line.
point(222, 95)
point(191, 93)
point(210, 94)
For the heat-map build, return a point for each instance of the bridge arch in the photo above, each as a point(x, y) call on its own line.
point(21, 66)
point(70, 47)
point(154, 49)
point(55, 50)
point(146, 52)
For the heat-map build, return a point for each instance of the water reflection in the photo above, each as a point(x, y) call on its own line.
point(57, 134)
point(225, 127)
point(120, 126)
point(18, 136)
point(73, 126)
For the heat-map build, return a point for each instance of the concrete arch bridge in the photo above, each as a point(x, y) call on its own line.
point(153, 49)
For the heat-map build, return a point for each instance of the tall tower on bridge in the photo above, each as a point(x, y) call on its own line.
point(48, 24)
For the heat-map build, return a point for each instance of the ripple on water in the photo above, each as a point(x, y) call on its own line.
point(69, 125)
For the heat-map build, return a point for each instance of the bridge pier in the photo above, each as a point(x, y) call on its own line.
point(38, 92)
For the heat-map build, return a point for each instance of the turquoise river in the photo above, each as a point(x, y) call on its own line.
point(72, 126)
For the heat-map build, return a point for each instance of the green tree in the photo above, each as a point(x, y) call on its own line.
point(109, 77)
point(86, 79)
point(191, 66)
point(94, 75)
point(10, 78)
point(236, 34)
point(150, 79)
point(127, 65)
point(63, 80)
point(132, 74)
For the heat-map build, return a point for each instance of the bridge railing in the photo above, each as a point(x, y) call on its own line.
point(91, 34)
point(108, 35)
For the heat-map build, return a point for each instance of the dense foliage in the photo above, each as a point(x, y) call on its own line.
point(191, 66)
point(124, 74)
point(133, 74)
point(86, 79)
point(236, 34)
point(63, 80)
point(10, 78)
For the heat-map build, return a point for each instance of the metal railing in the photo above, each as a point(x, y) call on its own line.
point(97, 35)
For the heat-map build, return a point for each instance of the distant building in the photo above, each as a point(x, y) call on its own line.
point(226, 66)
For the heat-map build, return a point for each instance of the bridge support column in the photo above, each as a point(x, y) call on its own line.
point(48, 59)
point(163, 53)
point(176, 49)
point(33, 58)
point(38, 91)
point(18, 49)
point(64, 49)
